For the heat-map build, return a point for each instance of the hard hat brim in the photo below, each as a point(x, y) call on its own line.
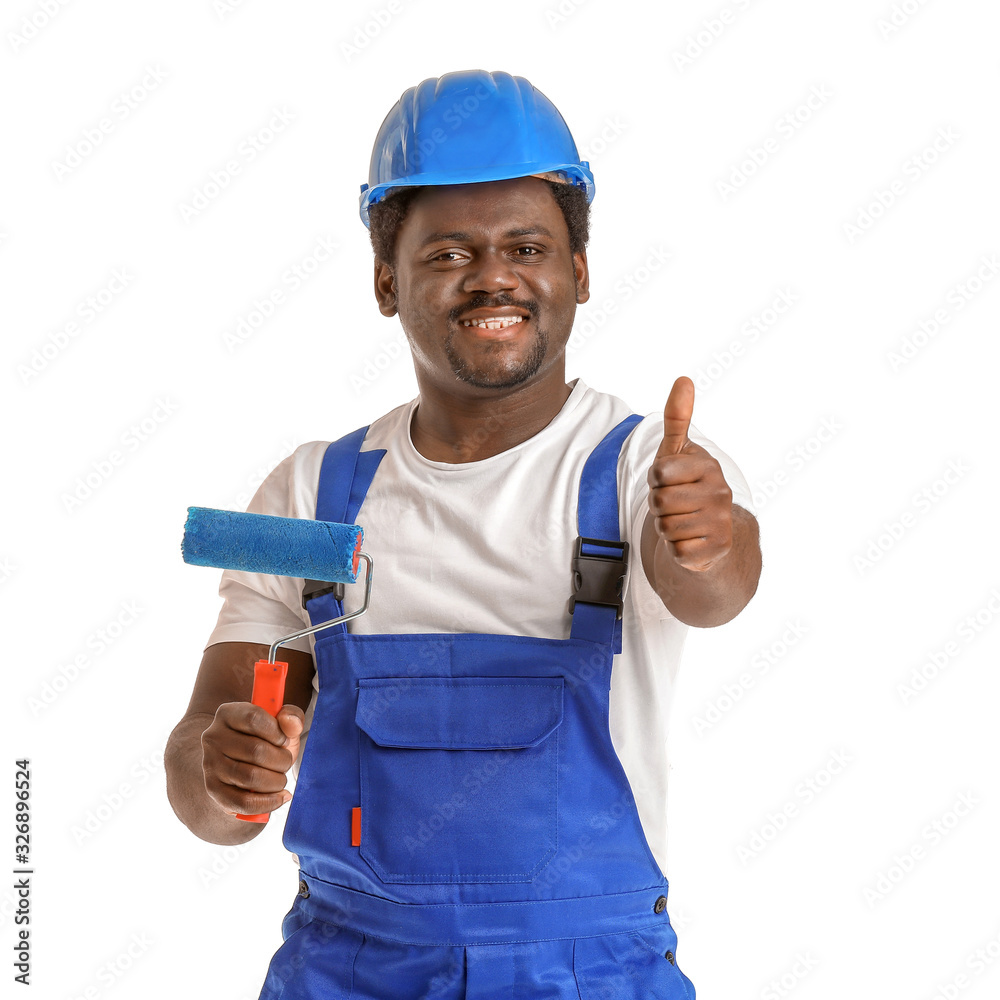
point(577, 174)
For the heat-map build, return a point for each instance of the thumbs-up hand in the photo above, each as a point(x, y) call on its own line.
point(689, 499)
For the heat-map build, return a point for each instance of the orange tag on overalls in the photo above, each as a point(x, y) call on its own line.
point(356, 827)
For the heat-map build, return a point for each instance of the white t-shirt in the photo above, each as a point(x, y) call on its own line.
point(486, 547)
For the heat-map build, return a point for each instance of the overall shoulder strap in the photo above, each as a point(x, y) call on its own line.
point(345, 475)
point(601, 557)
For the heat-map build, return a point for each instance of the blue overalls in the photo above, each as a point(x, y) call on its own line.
point(463, 825)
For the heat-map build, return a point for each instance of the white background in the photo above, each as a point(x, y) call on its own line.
point(838, 442)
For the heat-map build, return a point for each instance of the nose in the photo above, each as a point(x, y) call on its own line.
point(489, 272)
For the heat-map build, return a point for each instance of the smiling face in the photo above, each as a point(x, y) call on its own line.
point(485, 286)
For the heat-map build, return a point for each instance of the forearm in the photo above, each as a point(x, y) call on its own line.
point(715, 595)
point(194, 807)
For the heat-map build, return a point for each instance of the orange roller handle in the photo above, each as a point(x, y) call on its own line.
point(269, 694)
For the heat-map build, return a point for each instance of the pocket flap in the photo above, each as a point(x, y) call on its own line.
point(460, 713)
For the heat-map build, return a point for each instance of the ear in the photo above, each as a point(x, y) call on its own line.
point(385, 288)
point(582, 274)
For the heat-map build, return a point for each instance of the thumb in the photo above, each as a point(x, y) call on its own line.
point(292, 721)
point(677, 417)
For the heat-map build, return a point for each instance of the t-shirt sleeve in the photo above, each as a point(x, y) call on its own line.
point(637, 456)
point(260, 607)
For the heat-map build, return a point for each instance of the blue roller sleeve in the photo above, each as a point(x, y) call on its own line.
point(282, 546)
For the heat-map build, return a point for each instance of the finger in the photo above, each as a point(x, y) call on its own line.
point(292, 721)
point(675, 500)
point(238, 787)
point(698, 554)
point(245, 717)
point(687, 481)
point(248, 777)
point(680, 527)
point(677, 417)
point(247, 789)
point(692, 511)
point(674, 471)
point(236, 802)
point(246, 750)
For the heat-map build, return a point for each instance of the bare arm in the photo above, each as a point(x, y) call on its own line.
point(228, 756)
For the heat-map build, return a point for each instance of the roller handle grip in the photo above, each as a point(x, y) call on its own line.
point(269, 694)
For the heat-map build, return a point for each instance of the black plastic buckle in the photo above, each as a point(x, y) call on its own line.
point(317, 588)
point(599, 579)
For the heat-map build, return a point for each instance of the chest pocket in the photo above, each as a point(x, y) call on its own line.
point(459, 776)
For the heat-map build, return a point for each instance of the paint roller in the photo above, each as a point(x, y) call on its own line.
point(317, 551)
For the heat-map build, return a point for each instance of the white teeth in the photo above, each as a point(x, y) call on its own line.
point(493, 322)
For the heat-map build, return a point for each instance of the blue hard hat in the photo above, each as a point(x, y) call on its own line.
point(472, 126)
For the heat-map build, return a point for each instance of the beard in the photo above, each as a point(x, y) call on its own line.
point(501, 365)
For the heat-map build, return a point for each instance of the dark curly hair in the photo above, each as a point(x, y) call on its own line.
point(386, 216)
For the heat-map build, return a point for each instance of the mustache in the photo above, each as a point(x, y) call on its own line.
point(484, 301)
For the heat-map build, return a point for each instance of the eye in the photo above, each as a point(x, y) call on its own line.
point(446, 253)
point(528, 251)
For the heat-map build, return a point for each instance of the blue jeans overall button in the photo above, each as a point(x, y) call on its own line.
point(459, 776)
point(660, 905)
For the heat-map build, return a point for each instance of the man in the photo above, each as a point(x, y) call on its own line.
point(464, 817)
